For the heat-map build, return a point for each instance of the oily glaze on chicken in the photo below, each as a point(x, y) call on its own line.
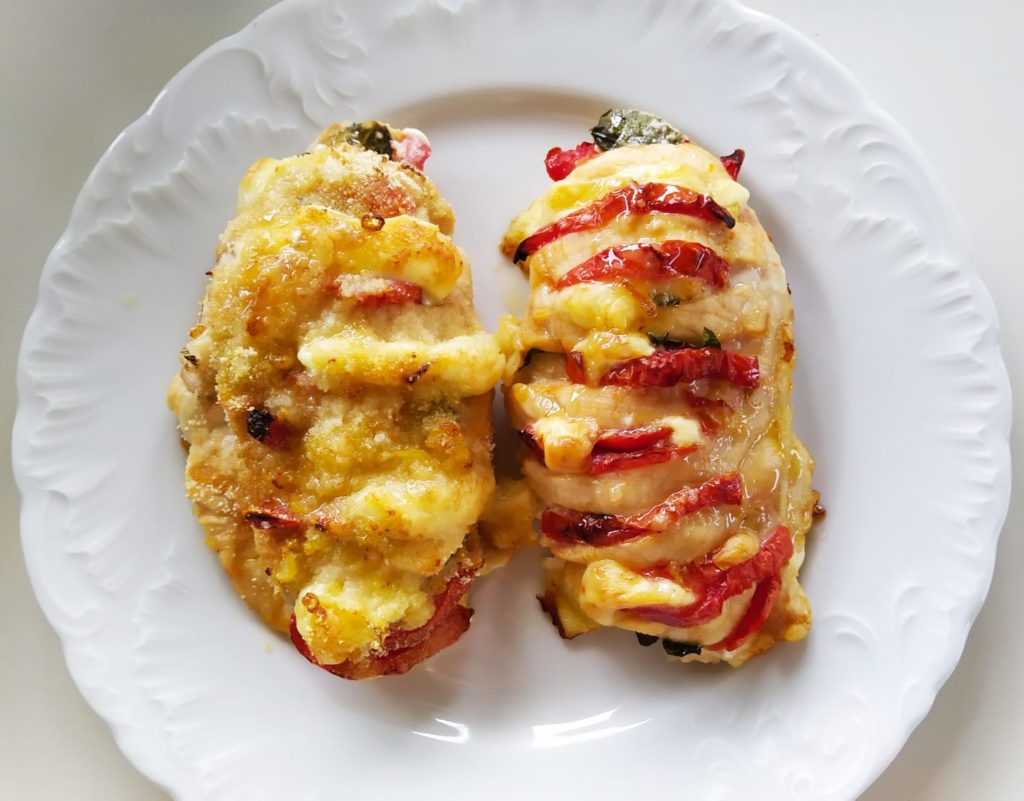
point(335, 398)
point(650, 381)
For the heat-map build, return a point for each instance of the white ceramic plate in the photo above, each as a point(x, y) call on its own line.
point(901, 394)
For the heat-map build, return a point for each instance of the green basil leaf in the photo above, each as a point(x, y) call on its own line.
point(370, 135)
point(710, 340)
point(666, 340)
point(624, 126)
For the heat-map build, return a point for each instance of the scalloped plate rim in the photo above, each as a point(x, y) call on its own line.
point(32, 492)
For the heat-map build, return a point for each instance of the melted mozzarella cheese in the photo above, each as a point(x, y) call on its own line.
point(351, 606)
point(608, 307)
point(567, 441)
point(469, 364)
point(685, 430)
point(609, 586)
point(602, 350)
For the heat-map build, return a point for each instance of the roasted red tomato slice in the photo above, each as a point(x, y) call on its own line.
point(653, 262)
point(632, 199)
point(716, 585)
point(563, 525)
point(559, 163)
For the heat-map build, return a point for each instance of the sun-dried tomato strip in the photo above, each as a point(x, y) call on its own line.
point(617, 461)
point(444, 632)
point(632, 439)
point(394, 294)
point(708, 425)
point(412, 149)
point(724, 490)
point(701, 402)
point(661, 262)
point(761, 603)
point(574, 369)
point(559, 163)
point(715, 585)
point(733, 162)
point(402, 649)
point(561, 525)
point(631, 199)
point(620, 449)
point(666, 368)
point(711, 411)
point(373, 292)
point(444, 601)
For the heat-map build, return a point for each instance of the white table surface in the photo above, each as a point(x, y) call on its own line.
point(75, 72)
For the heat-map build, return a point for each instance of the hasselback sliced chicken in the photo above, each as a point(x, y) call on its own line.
point(650, 382)
point(335, 400)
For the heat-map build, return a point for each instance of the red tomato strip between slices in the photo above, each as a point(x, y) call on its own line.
point(402, 649)
point(733, 162)
point(666, 368)
point(394, 294)
point(632, 439)
point(631, 199)
point(617, 440)
point(621, 449)
point(559, 163)
point(761, 603)
point(673, 258)
point(574, 369)
point(700, 402)
point(617, 461)
point(384, 292)
point(716, 585)
point(561, 525)
point(413, 149)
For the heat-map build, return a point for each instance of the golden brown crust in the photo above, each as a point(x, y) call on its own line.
point(335, 397)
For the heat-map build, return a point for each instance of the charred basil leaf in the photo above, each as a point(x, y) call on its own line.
point(646, 639)
point(370, 135)
point(666, 340)
point(626, 126)
point(664, 299)
point(673, 648)
point(257, 423)
point(710, 340)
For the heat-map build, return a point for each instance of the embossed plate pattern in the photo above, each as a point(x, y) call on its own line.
point(901, 394)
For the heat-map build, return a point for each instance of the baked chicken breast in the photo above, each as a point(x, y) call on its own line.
point(335, 399)
point(650, 380)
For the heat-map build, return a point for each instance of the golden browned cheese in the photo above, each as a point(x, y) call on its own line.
point(335, 398)
point(711, 428)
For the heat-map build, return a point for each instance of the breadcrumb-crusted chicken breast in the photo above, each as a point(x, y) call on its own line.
point(650, 380)
point(335, 399)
